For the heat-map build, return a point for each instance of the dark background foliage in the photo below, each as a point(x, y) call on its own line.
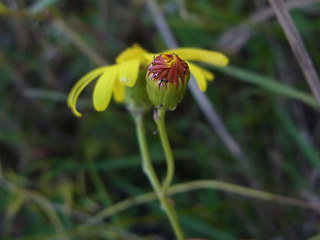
point(58, 170)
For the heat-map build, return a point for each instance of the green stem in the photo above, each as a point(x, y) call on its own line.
point(160, 121)
point(203, 184)
point(151, 174)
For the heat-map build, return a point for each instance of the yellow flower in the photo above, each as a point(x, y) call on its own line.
point(112, 79)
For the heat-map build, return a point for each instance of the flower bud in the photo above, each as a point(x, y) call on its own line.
point(167, 80)
point(136, 97)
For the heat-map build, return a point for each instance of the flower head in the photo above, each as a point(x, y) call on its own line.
point(112, 79)
point(168, 69)
point(167, 80)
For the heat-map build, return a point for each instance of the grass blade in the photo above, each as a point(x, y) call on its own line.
point(269, 84)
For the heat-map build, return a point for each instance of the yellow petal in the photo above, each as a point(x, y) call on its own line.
point(195, 54)
point(199, 76)
point(104, 87)
point(118, 91)
point(130, 53)
point(80, 85)
point(128, 72)
point(208, 75)
point(147, 58)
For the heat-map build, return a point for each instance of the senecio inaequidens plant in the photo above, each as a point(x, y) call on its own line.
point(139, 78)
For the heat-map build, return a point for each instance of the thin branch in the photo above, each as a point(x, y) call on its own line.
point(297, 47)
point(149, 197)
point(216, 123)
point(236, 37)
point(204, 184)
point(267, 13)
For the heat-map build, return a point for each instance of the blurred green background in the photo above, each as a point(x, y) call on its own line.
point(58, 171)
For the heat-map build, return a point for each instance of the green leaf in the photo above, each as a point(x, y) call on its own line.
point(269, 84)
point(306, 147)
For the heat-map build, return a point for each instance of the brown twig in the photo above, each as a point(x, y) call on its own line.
point(267, 13)
point(297, 47)
point(235, 38)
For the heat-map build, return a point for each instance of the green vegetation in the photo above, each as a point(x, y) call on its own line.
point(63, 177)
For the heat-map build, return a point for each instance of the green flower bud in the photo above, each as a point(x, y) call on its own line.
point(136, 98)
point(167, 80)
